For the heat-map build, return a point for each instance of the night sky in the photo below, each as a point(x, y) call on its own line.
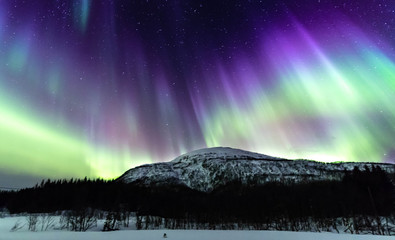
point(93, 88)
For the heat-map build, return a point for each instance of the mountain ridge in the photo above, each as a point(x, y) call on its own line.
point(209, 168)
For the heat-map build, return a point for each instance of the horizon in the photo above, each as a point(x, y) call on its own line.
point(274, 158)
point(93, 88)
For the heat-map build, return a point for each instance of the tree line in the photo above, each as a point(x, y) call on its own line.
point(365, 198)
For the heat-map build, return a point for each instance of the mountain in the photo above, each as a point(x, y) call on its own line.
point(207, 169)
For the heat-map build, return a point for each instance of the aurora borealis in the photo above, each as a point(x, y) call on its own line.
point(93, 88)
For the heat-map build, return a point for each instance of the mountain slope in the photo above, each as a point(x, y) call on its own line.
point(206, 169)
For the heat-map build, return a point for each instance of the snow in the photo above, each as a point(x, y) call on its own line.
point(221, 152)
point(23, 234)
point(208, 168)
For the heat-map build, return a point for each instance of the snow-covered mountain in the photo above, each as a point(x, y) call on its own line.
point(206, 169)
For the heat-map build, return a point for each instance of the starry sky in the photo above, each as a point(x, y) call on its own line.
point(93, 88)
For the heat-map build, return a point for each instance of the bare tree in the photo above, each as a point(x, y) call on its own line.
point(64, 221)
point(81, 220)
point(47, 221)
point(17, 226)
point(32, 221)
point(125, 217)
point(139, 222)
point(113, 221)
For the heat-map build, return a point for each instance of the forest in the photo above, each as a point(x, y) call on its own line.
point(361, 199)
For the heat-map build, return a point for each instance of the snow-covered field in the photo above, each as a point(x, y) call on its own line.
point(95, 234)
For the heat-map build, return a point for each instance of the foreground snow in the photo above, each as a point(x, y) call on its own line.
point(7, 223)
point(184, 235)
